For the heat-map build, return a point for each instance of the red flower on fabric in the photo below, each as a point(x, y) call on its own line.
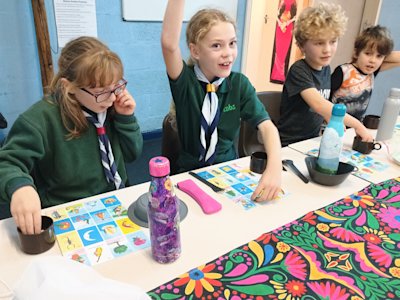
point(376, 236)
point(265, 238)
point(372, 238)
point(295, 288)
point(310, 218)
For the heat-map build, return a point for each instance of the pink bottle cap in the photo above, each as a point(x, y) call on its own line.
point(159, 166)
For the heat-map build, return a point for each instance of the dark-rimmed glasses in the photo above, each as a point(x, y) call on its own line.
point(104, 96)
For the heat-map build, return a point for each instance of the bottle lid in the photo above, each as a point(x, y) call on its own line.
point(159, 166)
point(394, 92)
point(339, 110)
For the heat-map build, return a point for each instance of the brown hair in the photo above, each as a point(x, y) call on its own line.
point(375, 37)
point(316, 21)
point(84, 62)
point(201, 23)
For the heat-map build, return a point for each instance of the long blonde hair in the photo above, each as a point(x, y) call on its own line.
point(84, 62)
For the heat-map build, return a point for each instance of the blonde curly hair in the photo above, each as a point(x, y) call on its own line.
point(320, 20)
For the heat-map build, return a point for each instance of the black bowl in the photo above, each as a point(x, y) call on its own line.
point(344, 170)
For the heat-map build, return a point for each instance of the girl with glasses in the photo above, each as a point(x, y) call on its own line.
point(73, 143)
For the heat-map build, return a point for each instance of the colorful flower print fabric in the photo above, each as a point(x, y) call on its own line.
point(347, 250)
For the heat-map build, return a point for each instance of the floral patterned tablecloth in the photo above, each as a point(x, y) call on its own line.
point(346, 250)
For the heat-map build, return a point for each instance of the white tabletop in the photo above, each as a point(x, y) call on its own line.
point(204, 237)
point(382, 155)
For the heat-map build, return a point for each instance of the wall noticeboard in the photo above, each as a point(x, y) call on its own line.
point(153, 10)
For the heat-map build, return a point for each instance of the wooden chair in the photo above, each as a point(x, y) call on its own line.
point(171, 145)
point(249, 140)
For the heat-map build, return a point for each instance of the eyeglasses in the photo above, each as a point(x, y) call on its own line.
point(101, 97)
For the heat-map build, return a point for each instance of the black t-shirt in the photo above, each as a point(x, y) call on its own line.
point(298, 121)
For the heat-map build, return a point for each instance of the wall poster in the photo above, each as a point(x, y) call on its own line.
point(287, 11)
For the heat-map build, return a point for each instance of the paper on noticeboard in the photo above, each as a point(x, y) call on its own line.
point(75, 18)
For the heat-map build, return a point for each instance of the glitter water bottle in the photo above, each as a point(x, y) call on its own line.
point(163, 213)
point(331, 142)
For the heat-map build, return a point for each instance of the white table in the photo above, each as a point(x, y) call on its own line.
point(379, 155)
point(204, 237)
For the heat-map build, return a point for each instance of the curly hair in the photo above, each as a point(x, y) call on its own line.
point(201, 23)
point(320, 20)
point(84, 62)
point(373, 38)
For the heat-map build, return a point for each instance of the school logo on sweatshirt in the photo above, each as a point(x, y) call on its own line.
point(229, 107)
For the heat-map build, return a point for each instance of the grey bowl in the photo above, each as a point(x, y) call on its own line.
point(344, 170)
point(137, 211)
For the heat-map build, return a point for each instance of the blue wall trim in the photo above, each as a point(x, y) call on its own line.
point(152, 135)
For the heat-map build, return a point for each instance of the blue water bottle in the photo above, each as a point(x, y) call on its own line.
point(332, 141)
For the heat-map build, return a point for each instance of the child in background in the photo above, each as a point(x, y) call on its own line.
point(75, 141)
point(210, 99)
point(306, 91)
point(352, 83)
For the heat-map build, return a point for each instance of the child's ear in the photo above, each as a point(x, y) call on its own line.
point(354, 57)
point(301, 48)
point(194, 51)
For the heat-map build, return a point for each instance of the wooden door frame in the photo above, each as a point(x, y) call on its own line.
point(43, 43)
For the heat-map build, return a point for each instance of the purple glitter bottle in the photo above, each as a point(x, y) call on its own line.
point(163, 213)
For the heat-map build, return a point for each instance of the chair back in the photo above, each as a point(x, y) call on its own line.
point(171, 145)
point(249, 140)
point(3, 122)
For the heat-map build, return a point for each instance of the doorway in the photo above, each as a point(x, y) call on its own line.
point(260, 29)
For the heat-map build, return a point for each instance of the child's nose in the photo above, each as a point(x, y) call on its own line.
point(227, 52)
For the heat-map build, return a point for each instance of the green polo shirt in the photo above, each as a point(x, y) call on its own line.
point(237, 100)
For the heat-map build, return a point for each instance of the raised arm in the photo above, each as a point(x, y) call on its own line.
point(324, 108)
point(391, 61)
point(170, 36)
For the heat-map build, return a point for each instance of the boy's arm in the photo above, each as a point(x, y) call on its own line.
point(324, 108)
point(317, 103)
point(270, 183)
point(391, 61)
point(170, 36)
point(359, 128)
